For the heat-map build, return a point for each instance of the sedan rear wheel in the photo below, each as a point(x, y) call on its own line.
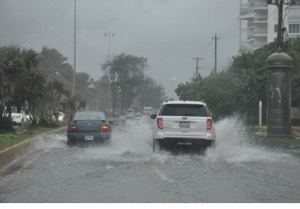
point(69, 142)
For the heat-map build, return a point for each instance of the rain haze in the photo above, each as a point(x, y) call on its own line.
point(169, 33)
point(126, 118)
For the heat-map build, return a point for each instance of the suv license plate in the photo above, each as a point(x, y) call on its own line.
point(89, 138)
point(184, 124)
point(184, 143)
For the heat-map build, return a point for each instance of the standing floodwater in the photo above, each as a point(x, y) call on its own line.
point(128, 171)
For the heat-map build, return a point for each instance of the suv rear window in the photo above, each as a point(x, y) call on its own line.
point(184, 110)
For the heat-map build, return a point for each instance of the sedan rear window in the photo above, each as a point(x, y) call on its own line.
point(89, 116)
point(184, 110)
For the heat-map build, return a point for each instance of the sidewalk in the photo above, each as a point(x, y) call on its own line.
point(288, 142)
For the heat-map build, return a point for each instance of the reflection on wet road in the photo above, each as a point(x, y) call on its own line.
point(128, 171)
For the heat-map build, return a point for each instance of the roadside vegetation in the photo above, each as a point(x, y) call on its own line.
point(237, 89)
point(30, 82)
point(8, 139)
point(39, 84)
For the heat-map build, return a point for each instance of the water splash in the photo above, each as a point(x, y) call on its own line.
point(133, 143)
point(234, 145)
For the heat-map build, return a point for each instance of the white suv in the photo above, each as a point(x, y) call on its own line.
point(183, 123)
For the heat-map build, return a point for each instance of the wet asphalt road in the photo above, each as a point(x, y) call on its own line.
point(128, 171)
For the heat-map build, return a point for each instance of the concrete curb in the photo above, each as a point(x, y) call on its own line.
point(11, 153)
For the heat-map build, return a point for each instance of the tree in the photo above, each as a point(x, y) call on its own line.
point(31, 81)
point(239, 88)
point(150, 94)
point(127, 74)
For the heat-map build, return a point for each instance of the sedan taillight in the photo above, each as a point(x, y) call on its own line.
point(72, 128)
point(105, 128)
point(159, 122)
point(209, 124)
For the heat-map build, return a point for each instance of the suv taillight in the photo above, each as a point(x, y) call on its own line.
point(72, 128)
point(209, 124)
point(159, 122)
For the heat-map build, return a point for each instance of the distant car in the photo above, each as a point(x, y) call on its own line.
point(89, 127)
point(19, 118)
point(59, 116)
point(183, 123)
point(138, 114)
point(109, 112)
point(130, 114)
point(148, 111)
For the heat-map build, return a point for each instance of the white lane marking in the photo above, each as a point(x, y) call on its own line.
point(162, 175)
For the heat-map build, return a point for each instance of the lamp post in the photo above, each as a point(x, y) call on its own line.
point(109, 35)
point(75, 40)
point(173, 78)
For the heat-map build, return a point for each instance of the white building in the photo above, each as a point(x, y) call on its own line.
point(259, 23)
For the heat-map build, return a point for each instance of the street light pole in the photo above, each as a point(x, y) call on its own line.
point(173, 78)
point(109, 35)
point(197, 65)
point(74, 61)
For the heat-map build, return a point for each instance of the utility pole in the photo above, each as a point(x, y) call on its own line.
point(109, 35)
point(197, 65)
point(216, 38)
point(279, 4)
point(75, 40)
point(279, 30)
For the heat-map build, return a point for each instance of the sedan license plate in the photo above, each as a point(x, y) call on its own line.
point(89, 138)
point(184, 124)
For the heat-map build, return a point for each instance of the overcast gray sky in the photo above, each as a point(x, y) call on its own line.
point(168, 32)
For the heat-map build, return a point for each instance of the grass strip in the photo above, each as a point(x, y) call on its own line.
point(8, 139)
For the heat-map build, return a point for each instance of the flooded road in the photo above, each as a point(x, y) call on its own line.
point(128, 171)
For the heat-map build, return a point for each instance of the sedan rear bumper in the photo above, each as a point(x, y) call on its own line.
point(88, 137)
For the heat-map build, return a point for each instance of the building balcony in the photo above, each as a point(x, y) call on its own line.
point(250, 38)
point(261, 32)
point(261, 19)
point(246, 9)
point(260, 6)
point(260, 35)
